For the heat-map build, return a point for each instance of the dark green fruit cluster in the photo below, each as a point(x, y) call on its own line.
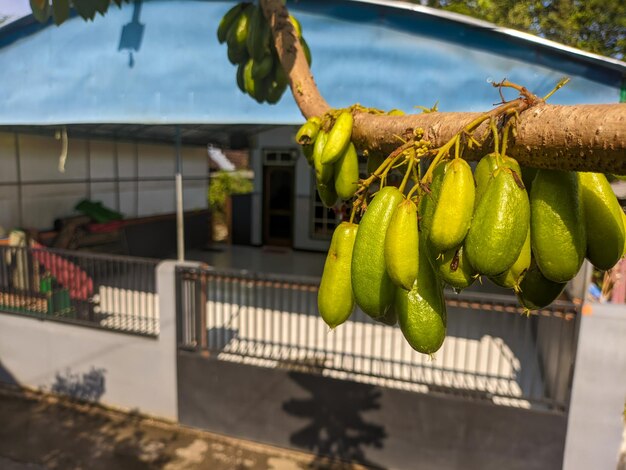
point(251, 48)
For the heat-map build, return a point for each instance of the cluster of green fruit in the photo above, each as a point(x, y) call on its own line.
point(250, 46)
point(459, 225)
point(333, 156)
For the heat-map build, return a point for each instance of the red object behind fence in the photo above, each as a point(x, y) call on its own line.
point(66, 273)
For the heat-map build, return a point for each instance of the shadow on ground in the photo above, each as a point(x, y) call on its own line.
point(336, 427)
point(44, 432)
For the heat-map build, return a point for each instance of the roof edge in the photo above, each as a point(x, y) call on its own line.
point(615, 64)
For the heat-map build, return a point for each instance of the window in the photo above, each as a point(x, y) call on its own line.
point(323, 220)
point(280, 157)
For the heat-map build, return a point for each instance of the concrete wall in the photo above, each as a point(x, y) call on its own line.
point(90, 159)
point(284, 137)
point(118, 369)
point(596, 418)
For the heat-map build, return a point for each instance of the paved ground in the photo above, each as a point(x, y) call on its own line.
point(43, 432)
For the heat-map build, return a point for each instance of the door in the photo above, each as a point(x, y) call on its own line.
point(278, 205)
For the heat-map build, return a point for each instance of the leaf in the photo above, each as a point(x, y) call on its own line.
point(41, 10)
point(60, 10)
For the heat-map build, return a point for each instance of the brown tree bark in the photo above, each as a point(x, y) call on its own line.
point(582, 137)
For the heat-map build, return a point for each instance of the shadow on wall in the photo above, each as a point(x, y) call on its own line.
point(337, 428)
point(89, 386)
point(6, 377)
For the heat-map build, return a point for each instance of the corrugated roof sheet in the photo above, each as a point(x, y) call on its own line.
point(380, 54)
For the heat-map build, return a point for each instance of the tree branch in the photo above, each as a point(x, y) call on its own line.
point(581, 137)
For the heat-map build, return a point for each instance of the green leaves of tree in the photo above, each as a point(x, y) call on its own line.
point(60, 9)
point(597, 26)
point(222, 185)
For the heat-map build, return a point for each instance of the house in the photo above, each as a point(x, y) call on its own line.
point(123, 88)
point(140, 94)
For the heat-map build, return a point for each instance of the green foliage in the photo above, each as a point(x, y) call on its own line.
point(60, 9)
point(222, 185)
point(597, 26)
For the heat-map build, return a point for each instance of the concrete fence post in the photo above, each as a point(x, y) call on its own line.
point(595, 426)
point(166, 289)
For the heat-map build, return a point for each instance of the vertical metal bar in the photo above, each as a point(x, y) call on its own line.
point(373, 348)
point(355, 323)
point(219, 312)
point(293, 314)
point(275, 303)
point(315, 323)
point(258, 310)
point(466, 353)
point(202, 309)
point(492, 350)
point(244, 298)
point(392, 352)
point(116, 175)
point(307, 322)
point(537, 372)
point(211, 316)
point(504, 328)
point(197, 312)
point(180, 222)
point(228, 308)
point(136, 156)
point(18, 170)
point(178, 303)
point(88, 154)
point(557, 368)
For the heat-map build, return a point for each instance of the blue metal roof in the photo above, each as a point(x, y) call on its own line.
point(376, 53)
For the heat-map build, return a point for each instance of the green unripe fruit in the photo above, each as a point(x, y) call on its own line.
point(454, 208)
point(327, 194)
point(346, 173)
point(402, 246)
point(261, 68)
point(486, 167)
point(422, 310)
point(535, 291)
point(500, 225)
point(373, 288)
point(237, 36)
point(557, 224)
point(511, 277)
point(228, 20)
point(603, 220)
point(453, 268)
point(323, 173)
point(308, 131)
point(428, 201)
point(335, 300)
point(338, 138)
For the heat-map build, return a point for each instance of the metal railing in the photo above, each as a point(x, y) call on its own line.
point(111, 292)
point(491, 352)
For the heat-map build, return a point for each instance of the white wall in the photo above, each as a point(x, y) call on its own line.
point(284, 137)
point(39, 159)
point(137, 373)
